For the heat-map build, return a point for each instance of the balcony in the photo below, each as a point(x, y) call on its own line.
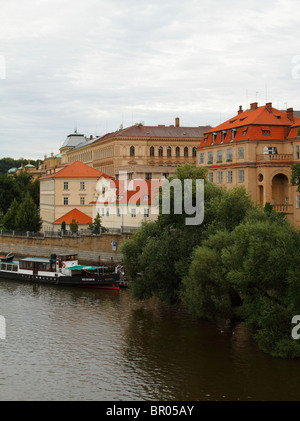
point(274, 157)
point(283, 208)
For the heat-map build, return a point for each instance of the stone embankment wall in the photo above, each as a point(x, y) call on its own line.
point(90, 249)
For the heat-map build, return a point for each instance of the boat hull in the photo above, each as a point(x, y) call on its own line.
point(109, 281)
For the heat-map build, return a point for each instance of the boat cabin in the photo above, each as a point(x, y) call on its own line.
point(37, 264)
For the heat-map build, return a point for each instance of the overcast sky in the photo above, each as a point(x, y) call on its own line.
point(96, 64)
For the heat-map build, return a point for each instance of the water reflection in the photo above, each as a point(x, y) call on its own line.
point(78, 344)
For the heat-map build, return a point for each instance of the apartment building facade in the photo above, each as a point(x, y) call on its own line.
point(256, 149)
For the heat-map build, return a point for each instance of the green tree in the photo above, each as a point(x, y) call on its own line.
point(74, 226)
point(28, 218)
point(63, 227)
point(163, 251)
point(96, 225)
point(8, 192)
point(10, 218)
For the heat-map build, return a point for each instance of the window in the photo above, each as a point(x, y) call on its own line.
point(186, 151)
point(210, 158)
point(130, 176)
point(66, 201)
point(160, 151)
point(233, 134)
point(241, 176)
point(224, 132)
point(244, 132)
point(229, 155)
point(148, 176)
point(297, 201)
point(82, 185)
point(146, 213)
point(270, 150)
point(132, 151)
point(241, 153)
point(229, 176)
point(219, 156)
point(194, 151)
point(146, 197)
point(211, 177)
point(201, 158)
point(266, 132)
point(166, 175)
point(66, 185)
point(102, 211)
point(152, 151)
point(297, 152)
point(82, 201)
point(169, 151)
point(220, 177)
point(177, 151)
point(133, 213)
point(214, 137)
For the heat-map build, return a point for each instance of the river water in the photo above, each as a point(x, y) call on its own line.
point(77, 344)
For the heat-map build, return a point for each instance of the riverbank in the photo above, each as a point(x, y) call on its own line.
point(90, 249)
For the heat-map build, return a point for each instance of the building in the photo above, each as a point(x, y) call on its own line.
point(143, 152)
point(124, 205)
point(256, 149)
point(72, 188)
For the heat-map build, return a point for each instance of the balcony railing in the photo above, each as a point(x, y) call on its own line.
point(274, 157)
point(283, 208)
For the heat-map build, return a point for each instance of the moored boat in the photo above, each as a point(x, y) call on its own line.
point(60, 269)
point(7, 258)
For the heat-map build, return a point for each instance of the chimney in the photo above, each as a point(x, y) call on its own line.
point(290, 114)
point(269, 106)
point(91, 137)
point(177, 122)
point(240, 111)
point(253, 106)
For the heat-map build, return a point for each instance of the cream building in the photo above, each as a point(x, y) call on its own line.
point(124, 204)
point(72, 188)
point(145, 152)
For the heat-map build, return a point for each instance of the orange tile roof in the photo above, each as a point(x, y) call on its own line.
point(138, 192)
point(80, 217)
point(250, 124)
point(77, 169)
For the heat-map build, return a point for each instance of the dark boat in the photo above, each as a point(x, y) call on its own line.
point(8, 258)
point(63, 270)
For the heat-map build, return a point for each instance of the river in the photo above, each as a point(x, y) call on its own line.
point(77, 344)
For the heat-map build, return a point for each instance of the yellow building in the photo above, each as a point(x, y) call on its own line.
point(256, 149)
point(69, 191)
point(144, 152)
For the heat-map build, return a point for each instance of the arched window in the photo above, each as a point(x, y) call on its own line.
point(132, 151)
point(152, 151)
point(178, 151)
point(169, 151)
point(160, 151)
point(194, 151)
point(186, 151)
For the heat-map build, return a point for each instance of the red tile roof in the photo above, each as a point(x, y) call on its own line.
point(136, 192)
point(252, 124)
point(80, 217)
point(161, 131)
point(77, 169)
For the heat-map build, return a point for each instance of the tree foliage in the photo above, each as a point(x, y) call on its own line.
point(241, 264)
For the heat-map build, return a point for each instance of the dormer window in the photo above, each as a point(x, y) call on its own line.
point(214, 137)
point(224, 132)
point(233, 134)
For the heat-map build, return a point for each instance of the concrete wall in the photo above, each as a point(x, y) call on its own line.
point(89, 248)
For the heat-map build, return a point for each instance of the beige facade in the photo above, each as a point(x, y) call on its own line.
point(142, 151)
point(73, 187)
point(256, 149)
